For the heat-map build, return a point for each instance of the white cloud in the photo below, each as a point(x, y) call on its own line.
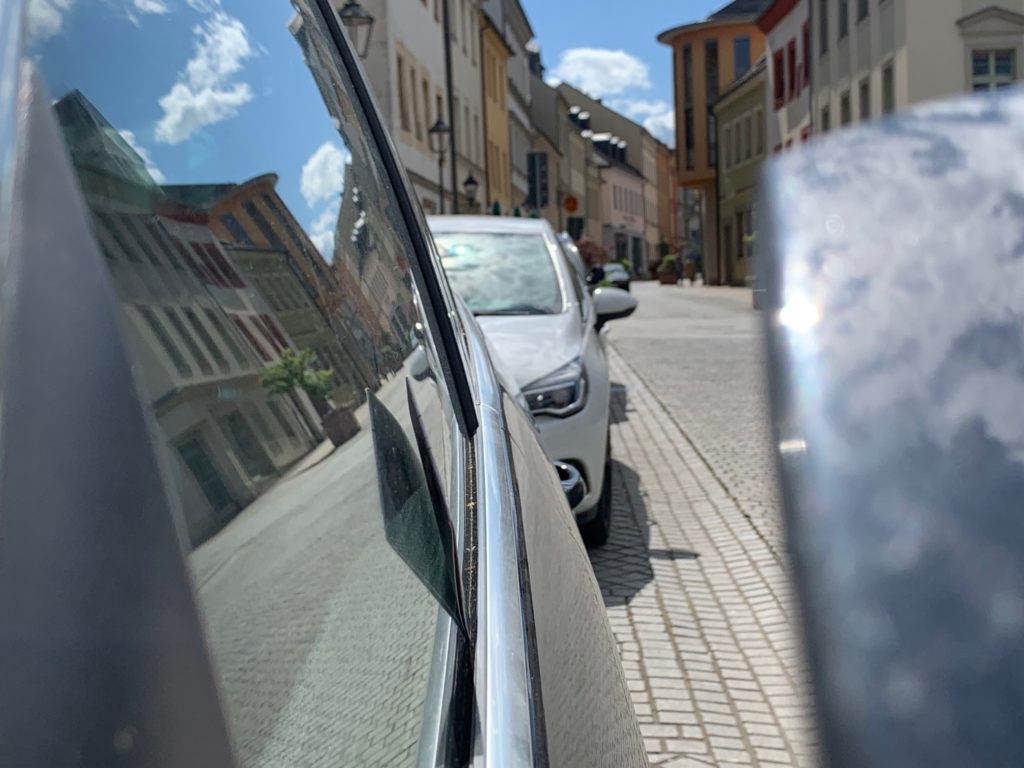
point(142, 152)
point(322, 231)
point(203, 94)
point(323, 175)
point(657, 116)
point(601, 71)
point(151, 6)
point(663, 126)
point(45, 18)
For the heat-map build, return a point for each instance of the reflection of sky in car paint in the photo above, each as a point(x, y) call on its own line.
point(250, 59)
point(501, 272)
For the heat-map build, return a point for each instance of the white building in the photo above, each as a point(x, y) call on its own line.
point(787, 29)
point(405, 64)
point(518, 34)
point(872, 57)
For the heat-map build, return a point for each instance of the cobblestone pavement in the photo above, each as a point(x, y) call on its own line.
point(694, 577)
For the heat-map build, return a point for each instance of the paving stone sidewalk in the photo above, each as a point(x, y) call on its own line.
point(699, 601)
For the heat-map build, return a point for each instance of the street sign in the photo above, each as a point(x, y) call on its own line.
point(570, 204)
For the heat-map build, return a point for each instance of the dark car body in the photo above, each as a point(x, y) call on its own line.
point(264, 500)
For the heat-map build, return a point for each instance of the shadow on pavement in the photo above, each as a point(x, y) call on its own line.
point(619, 401)
point(623, 565)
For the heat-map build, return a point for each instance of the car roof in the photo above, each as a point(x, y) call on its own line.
point(495, 224)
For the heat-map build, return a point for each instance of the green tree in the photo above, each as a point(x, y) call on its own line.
point(298, 370)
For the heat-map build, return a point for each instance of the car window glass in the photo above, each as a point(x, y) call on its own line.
point(501, 273)
point(260, 260)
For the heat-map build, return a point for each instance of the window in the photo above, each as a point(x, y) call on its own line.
point(888, 89)
point(823, 26)
point(238, 233)
point(467, 143)
point(865, 98)
point(110, 224)
point(779, 78)
point(439, 106)
point(691, 160)
point(748, 142)
point(437, 10)
point(739, 234)
point(226, 337)
point(254, 213)
point(267, 554)
point(806, 64)
point(403, 97)
point(464, 16)
point(244, 329)
point(991, 70)
point(476, 137)
point(737, 153)
point(826, 120)
point(278, 412)
point(206, 339)
point(845, 115)
point(791, 61)
point(190, 343)
point(426, 104)
point(687, 75)
point(862, 10)
point(844, 18)
point(168, 346)
point(161, 239)
point(726, 146)
point(760, 132)
point(711, 70)
point(478, 265)
point(741, 54)
point(712, 139)
point(417, 123)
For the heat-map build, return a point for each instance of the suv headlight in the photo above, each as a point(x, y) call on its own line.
point(561, 393)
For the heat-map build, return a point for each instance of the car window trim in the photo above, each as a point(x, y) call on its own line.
point(437, 303)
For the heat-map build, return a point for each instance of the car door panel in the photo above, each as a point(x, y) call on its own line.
point(588, 715)
point(253, 263)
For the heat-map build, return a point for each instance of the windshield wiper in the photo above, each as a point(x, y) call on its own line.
point(515, 309)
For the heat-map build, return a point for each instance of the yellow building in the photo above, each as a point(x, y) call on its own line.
point(495, 53)
point(740, 119)
point(707, 56)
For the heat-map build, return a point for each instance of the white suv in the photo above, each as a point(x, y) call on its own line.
point(546, 329)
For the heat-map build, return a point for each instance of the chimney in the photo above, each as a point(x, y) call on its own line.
point(584, 120)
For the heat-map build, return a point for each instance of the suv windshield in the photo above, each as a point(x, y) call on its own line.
point(501, 274)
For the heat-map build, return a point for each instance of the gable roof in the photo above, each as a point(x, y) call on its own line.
point(741, 8)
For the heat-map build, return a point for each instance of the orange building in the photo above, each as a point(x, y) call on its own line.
point(707, 56)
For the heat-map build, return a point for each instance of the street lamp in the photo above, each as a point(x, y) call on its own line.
point(359, 23)
point(470, 187)
point(438, 140)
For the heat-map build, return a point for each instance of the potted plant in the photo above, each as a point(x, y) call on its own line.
point(667, 270)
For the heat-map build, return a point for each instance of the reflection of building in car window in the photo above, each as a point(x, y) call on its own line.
point(184, 300)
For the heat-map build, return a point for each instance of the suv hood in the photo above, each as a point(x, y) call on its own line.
point(532, 346)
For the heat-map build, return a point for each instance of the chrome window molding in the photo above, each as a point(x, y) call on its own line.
point(506, 678)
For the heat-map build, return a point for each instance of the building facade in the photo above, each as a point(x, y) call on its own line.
point(467, 103)
point(628, 142)
point(871, 59)
point(518, 35)
point(495, 53)
point(707, 56)
point(668, 210)
point(622, 219)
point(786, 25)
point(740, 119)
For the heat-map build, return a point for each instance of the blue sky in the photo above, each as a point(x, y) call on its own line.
point(610, 50)
point(205, 91)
